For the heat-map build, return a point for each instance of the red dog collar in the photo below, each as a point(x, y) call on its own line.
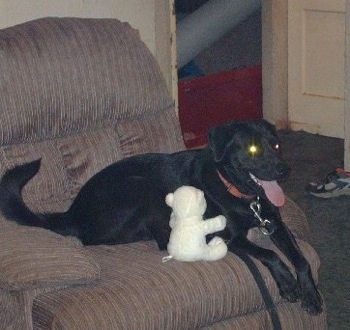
point(232, 189)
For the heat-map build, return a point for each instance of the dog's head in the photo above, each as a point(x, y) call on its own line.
point(248, 155)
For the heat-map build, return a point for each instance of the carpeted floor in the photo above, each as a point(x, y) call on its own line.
point(311, 158)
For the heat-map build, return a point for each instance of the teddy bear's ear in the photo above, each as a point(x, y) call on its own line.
point(169, 199)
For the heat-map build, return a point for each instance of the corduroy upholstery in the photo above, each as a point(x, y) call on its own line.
point(82, 94)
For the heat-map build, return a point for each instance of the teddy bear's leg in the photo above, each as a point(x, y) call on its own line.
point(215, 241)
point(216, 249)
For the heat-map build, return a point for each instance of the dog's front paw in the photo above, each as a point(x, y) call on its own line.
point(311, 302)
point(290, 291)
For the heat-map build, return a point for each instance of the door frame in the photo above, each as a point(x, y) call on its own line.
point(274, 18)
point(347, 89)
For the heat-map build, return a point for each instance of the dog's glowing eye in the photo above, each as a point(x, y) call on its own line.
point(276, 147)
point(253, 150)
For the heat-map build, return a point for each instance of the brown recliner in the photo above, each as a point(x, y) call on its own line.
point(82, 94)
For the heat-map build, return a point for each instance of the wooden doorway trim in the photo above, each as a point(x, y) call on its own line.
point(275, 61)
point(347, 89)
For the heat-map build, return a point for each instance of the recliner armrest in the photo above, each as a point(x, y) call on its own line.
point(32, 258)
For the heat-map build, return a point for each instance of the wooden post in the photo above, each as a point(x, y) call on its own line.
point(347, 89)
point(275, 62)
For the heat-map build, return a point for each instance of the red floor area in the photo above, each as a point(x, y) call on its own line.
point(216, 99)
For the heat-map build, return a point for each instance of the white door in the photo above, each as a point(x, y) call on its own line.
point(316, 66)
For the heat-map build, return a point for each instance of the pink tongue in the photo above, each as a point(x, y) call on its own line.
point(273, 192)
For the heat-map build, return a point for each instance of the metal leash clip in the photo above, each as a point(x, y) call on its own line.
point(255, 206)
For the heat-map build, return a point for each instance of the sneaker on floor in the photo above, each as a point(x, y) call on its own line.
point(336, 184)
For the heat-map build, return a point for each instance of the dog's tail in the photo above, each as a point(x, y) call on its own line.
point(13, 207)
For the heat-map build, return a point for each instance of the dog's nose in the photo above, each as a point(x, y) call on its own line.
point(282, 170)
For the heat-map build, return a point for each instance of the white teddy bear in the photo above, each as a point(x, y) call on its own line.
point(188, 236)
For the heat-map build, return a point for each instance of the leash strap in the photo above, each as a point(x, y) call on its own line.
point(270, 305)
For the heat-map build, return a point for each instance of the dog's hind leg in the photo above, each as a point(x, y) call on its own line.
point(158, 219)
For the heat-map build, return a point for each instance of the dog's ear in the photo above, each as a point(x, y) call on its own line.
point(219, 139)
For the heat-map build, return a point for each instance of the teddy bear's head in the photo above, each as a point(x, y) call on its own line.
point(187, 201)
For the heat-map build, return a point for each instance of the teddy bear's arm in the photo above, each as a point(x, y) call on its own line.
point(212, 225)
point(172, 221)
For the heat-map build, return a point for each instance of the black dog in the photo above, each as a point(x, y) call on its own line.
point(125, 202)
